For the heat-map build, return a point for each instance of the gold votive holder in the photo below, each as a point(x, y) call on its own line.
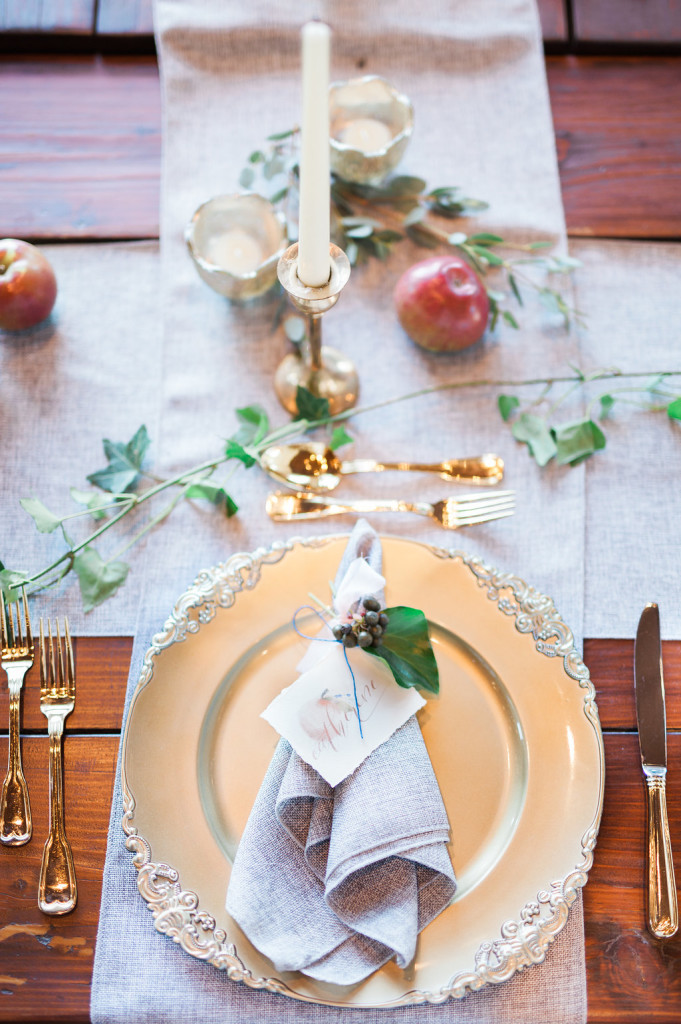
point(235, 242)
point(371, 124)
point(323, 371)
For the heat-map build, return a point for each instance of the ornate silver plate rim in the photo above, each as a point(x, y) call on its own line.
point(521, 942)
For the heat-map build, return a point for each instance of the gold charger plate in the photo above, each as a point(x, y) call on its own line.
point(514, 738)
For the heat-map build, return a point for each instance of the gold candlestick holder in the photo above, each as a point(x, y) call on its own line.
point(324, 371)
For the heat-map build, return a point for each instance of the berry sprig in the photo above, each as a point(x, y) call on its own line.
point(367, 627)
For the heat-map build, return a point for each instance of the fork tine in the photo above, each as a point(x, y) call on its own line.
point(3, 626)
point(488, 518)
point(483, 497)
point(60, 659)
point(50, 660)
point(43, 658)
point(19, 635)
point(471, 513)
point(70, 669)
point(27, 620)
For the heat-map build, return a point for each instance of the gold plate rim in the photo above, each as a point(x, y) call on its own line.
point(521, 942)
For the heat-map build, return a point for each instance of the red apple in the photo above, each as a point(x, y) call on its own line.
point(442, 304)
point(28, 286)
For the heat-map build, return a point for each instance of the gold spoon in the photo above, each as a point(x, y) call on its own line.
point(315, 467)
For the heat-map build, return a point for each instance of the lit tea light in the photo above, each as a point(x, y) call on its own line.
point(366, 134)
point(236, 251)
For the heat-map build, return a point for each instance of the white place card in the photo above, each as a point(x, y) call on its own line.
point(318, 717)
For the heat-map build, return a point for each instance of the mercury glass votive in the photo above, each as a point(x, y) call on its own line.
point(235, 242)
point(371, 124)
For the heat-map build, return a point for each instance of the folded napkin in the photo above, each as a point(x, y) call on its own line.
point(334, 882)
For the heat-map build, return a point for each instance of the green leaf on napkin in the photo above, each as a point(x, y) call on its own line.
point(309, 406)
point(507, 405)
point(534, 432)
point(674, 409)
point(407, 650)
point(214, 493)
point(98, 579)
point(45, 520)
point(606, 403)
point(577, 441)
point(233, 450)
point(124, 463)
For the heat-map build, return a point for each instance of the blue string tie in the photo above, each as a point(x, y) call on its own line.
point(329, 640)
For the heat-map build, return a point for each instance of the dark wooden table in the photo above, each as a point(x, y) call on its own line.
point(79, 159)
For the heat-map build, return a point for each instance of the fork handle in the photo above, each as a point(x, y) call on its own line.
point(15, 809)
point(485, 469)
point(57, 891)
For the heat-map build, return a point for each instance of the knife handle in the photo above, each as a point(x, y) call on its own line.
point(663, 909)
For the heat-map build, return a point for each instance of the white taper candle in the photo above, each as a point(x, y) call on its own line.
point(314, 264)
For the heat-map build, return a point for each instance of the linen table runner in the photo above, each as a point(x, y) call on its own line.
point(231, 76)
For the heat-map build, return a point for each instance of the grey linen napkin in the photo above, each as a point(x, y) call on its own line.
point(334, 882)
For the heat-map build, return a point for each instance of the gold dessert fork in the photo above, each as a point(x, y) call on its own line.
point(16, 659)
point(452, 513)
point(57, 891)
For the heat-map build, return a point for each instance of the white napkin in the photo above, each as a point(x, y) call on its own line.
point(334, 882)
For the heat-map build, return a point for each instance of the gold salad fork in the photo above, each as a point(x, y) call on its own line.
point(16, 659)
point(57, 891)
point(451, 513)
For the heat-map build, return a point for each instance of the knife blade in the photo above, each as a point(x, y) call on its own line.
point(663, 911)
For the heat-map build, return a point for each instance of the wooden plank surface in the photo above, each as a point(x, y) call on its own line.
point(45, 966)
point(627, 21)
point(80, 146)
point(46, 963)
point(553, 17)
point(77, 17)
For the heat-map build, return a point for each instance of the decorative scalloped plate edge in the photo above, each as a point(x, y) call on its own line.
point(522, 942)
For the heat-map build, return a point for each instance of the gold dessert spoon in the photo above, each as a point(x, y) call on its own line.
point(315, 467)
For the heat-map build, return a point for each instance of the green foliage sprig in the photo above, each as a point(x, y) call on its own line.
point(369, 220)
point(119, 493)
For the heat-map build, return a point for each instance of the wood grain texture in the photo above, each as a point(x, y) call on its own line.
point(631, 977)
point(619, 156)
point(102, 665)
point(46, 963)
point(80, 146)
point(73, 16)
point(554, 27)
point(611, 665)
point(125, 17)
point(625, 21)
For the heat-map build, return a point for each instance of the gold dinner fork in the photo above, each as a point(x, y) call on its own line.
point(16, 659)
point(452, 513)
point(57, 891)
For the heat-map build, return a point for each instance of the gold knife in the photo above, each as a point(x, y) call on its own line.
point(663, 909)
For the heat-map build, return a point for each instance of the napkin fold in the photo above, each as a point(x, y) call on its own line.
point(335, 882)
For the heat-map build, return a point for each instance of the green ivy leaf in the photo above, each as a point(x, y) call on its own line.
point(11, 582)
point(606, 404)
point(674, 409)
point(577, 441)
point(507, 405)
point(215, 494)
point(278, 136)
point(124, 463)
point(340, 437)
point(254, 424)
point(280, 194)
point(45, 520)
point(247, 177)
point(407, 650)
point(99, 580)
point(510, 319)
point(90, 499)
point(309, 406)
point(486, 254)
point(257, 157)
point(486, 239)
point(515, 289)
point(233, 450)
point(534, 432)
